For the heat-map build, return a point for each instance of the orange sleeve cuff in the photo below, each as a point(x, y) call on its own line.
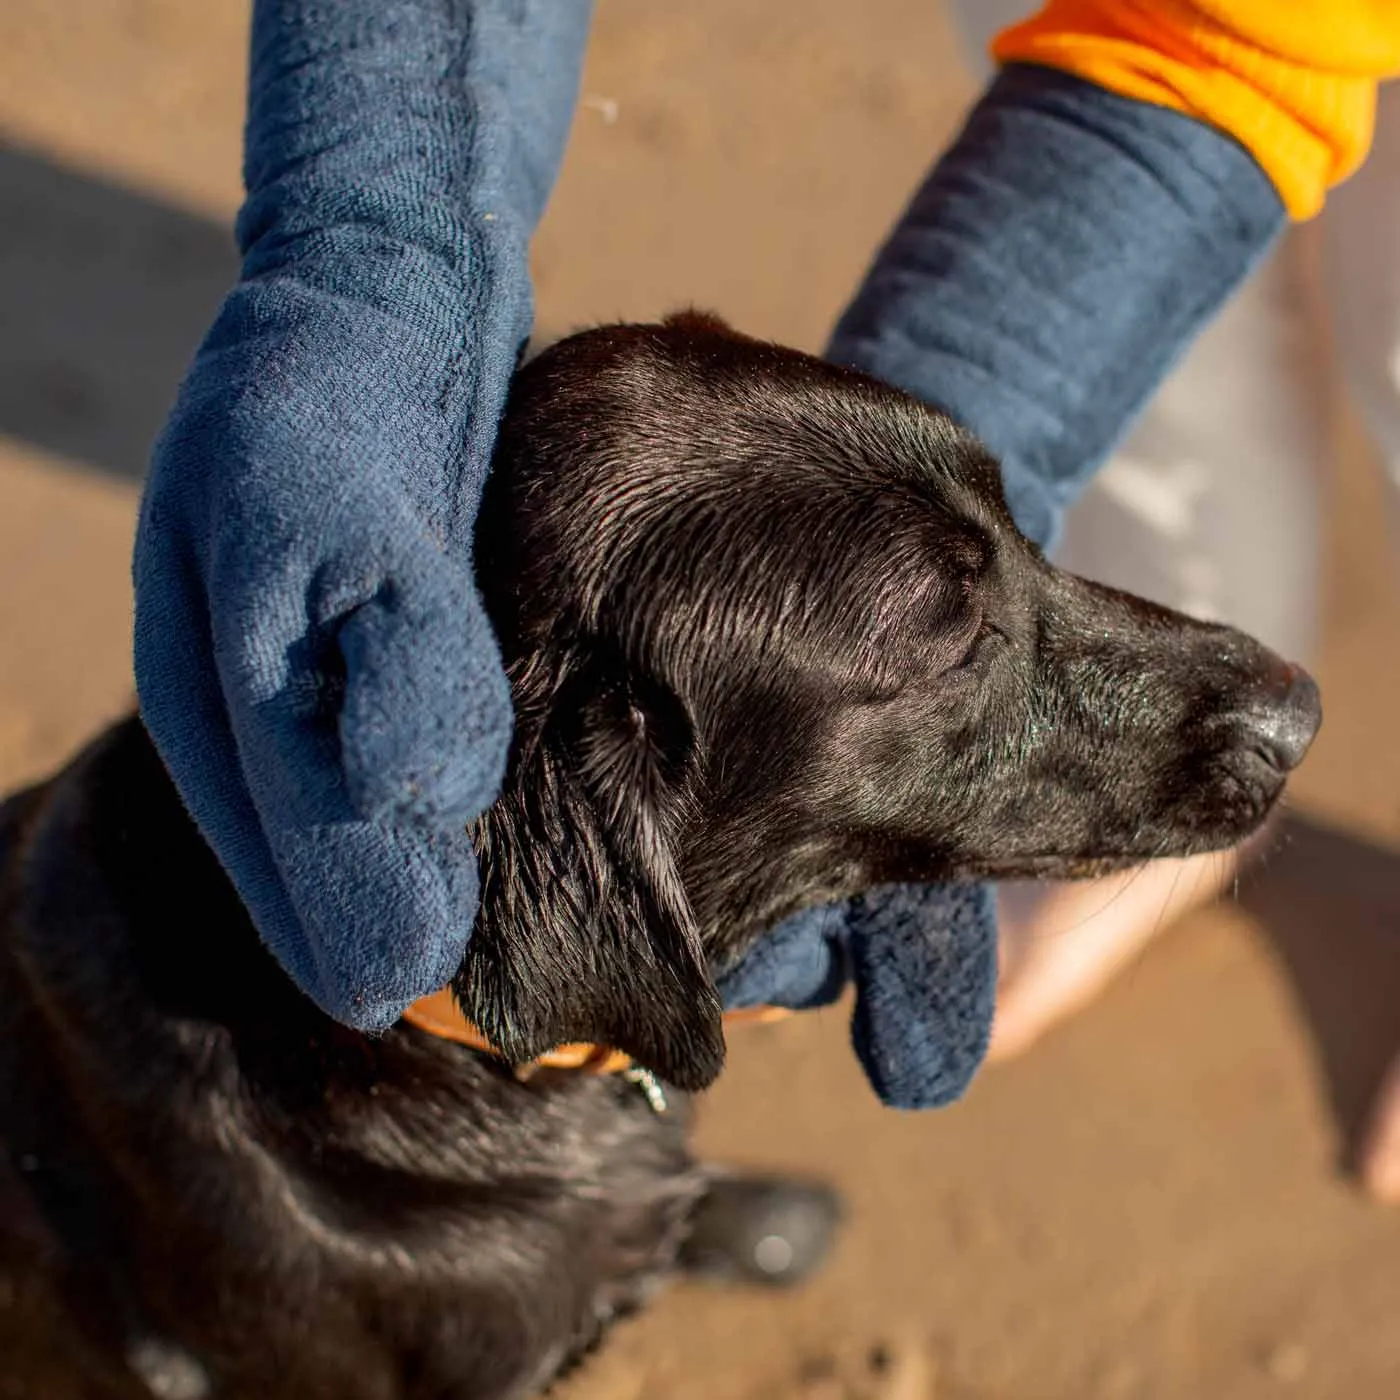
point(1305, 110)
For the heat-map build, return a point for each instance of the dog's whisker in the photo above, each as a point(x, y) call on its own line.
point(1121, 889)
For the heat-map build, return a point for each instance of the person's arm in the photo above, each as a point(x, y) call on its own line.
point(1059, 257)
point(1112, 188)
point(1293, 83)
point(312, 659)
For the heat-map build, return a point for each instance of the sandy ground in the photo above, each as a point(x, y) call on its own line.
point(1154, 1203)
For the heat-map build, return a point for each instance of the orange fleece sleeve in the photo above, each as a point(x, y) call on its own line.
point(1294, 81)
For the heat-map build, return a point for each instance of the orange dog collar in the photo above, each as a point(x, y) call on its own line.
point(440, 1015)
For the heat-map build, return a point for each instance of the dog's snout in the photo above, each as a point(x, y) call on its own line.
point(1283, 719)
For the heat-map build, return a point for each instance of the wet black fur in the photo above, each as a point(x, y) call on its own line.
point(773, 639)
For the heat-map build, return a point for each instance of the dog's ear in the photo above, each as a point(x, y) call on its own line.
point(585, 933)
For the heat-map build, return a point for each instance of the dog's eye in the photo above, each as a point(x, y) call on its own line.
point(984, 641)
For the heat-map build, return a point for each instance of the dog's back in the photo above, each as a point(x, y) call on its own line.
point(208, 1187)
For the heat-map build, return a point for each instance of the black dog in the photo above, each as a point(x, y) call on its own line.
point(774, 639)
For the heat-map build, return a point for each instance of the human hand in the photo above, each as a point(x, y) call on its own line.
point(312, 658)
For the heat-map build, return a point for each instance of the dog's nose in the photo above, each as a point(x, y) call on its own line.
point(1284, 718)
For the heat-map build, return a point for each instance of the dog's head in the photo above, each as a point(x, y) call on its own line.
point(774, 639)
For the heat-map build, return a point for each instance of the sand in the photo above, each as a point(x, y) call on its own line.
point(1154, 1203)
